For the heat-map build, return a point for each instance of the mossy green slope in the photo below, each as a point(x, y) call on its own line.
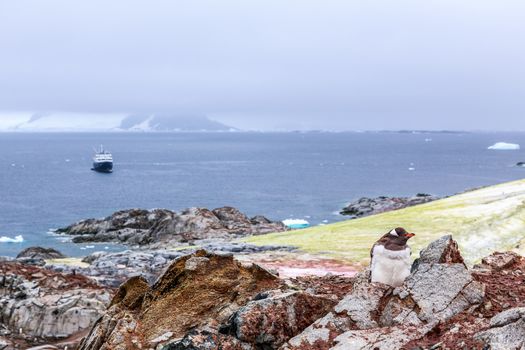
point(482, 221)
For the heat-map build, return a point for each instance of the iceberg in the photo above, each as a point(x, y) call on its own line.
point(296, 223)
point(17, 239)
point(505, 146)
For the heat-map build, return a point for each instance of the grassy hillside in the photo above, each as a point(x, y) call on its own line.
point(484, 220)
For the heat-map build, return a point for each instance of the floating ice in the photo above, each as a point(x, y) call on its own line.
point(296, 223)
point(505, 146)
point(411, 169)
point(17, 239)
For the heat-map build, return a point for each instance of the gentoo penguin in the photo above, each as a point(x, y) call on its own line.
point(391, 258)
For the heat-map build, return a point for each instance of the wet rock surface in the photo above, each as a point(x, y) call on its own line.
point(144, 227)
point(366, 206)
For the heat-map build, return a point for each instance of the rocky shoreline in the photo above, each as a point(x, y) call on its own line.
point(366, 206)
point(162, 226)
point(188, 285)
point(210, 300)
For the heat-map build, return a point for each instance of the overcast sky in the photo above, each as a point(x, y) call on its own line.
point(281, 64)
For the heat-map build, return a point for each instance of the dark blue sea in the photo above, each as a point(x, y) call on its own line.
point(46, 182)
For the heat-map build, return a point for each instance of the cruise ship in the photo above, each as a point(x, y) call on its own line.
point(103, 161)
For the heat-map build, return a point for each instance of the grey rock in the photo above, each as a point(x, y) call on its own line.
point(440, 251)
point(40, 253)
point(366, 206)
point(389, 338)
point(507, 316)
point(435, 292)
point(361, 305)
point(5, 344)
point(146, 227)
point(49, 306)
point(32, 261)
point(507, 331)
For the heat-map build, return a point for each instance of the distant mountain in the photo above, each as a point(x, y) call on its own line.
point(70, 122)
point(160, 122)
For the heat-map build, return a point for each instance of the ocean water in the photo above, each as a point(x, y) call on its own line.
point(46, 182)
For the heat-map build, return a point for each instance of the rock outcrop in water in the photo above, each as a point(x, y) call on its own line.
point(142, 227)
point(366, 206)
point(209, 301)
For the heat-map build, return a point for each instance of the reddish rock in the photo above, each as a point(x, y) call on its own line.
point(498, 261)
point(276, 317)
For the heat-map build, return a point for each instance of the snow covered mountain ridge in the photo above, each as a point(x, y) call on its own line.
point(85, 122)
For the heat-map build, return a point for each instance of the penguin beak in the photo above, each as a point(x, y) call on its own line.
point(409, 235)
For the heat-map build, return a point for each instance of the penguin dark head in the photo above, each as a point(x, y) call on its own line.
point(400, 235)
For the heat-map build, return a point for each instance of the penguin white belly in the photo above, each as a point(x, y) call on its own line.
point(389, 266)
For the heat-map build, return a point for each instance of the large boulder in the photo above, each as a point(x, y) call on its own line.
point(435, 292)
point(139, 226)
point(195, 291)
point(276, 316)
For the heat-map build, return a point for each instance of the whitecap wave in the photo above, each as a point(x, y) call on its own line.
point(17, 239)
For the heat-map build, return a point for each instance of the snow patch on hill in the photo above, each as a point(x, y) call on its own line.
point(86, 122)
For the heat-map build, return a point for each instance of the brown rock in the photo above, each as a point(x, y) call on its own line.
point(500, 261)
point(131, 293)
point(195, 291)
